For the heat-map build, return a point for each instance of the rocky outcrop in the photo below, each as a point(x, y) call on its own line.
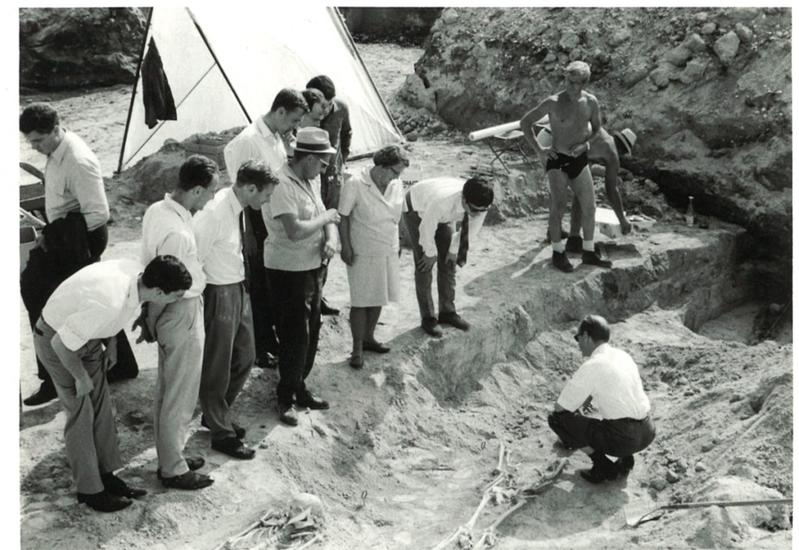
point(66, 48)
point(707, 91)
point(397, 25)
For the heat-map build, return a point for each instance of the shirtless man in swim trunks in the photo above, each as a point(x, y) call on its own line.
point(570, 113)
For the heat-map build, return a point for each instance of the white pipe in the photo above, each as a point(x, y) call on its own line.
point(493, 131)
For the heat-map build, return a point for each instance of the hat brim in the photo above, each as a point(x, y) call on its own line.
point(622, 139)
point(328, 151)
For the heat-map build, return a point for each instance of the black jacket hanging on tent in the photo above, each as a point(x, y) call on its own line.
point(158, 101)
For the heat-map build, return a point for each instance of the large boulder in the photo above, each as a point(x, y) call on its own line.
point(61, 48)
point(711, 106)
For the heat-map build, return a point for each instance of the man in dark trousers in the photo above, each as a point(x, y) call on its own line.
point(76, 234)
point(339, 130)
point(609, 383)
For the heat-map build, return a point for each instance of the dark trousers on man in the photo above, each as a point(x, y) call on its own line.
point(46, 270)
point(228, 354)
point(618, 437)
point(260, 292)
point(445, 271)
point(297, 297)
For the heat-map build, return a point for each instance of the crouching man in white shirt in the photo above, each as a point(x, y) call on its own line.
point(610, 383)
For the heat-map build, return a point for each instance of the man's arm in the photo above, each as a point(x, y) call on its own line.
point(87, 184)
point(330, 245)
point(345, 138)
point(206, 229)
point(297, 229)
point(527, 121)
point(475, 224)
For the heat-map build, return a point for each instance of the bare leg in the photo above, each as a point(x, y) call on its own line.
point(358, 327)
point(372, 316)
point(612, 191)
point(575, 221)
point(583, 188)
point(557, 203)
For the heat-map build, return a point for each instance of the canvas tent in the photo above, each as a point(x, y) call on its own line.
point(225, 66)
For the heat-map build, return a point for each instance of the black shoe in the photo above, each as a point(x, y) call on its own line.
point(193, 462)
point(233, 447)
point(430, 326)
point(288, 414)
point(376, 347)
point(309, 401)
point(625, 465)
point(119, 488)
point(602, 470)
point(117, 374)
point(574, 243)
point(190, 481)
point(104, 501)
point(560, 261)
point(240, 433)
point(267, 361)
point(356, 361)
point(45, 393)
point(325, 309)
point(453, 319)
point(590, 257)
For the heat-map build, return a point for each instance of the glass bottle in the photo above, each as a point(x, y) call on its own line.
point(689, 212)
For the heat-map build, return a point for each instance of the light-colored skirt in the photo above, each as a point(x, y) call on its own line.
point(374, 280)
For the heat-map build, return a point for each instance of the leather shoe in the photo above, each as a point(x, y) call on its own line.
point(625, 465)
point(309, 401)
point(430, 326)
point(288, 414)
point(189, 481)
point(119, 488)
point(453, 319)
point(376, 347)
point(560, 261)
point(326, 309)
point(193, 462)
point(267, 361)
point(233, 447)
point(45, 393)
point(590, 257)
point(240, 432)
point(104, 501)
point(574, 243)
point(356, 361)
point(603, 469)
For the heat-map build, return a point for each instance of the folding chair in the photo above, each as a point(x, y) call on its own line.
point(505, 142)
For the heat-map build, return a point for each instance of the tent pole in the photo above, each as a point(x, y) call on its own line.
point(221, 70)
point(351, 42)
point(135, 83)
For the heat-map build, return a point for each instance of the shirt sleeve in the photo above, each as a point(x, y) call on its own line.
point(348, 198)
point(175, 244)
point(85, 325)
point(206, 228)
point(86, 183)
point(237, 154)
point(282, 202)
point(431, 217)
point(578, 389)
point(475, 224)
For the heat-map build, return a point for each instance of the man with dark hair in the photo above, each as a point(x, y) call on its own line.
point(609, 383)
point(575, 119)
point(94, 304)
point(264, 140)
point(76, 234)
point(336, 123)
point(178, 327)
point(229, 351)
point(430, 211)
point(302, 237)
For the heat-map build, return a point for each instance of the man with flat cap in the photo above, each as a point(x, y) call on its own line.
point(609, 382)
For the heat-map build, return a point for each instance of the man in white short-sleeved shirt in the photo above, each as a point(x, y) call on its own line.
point(92, 305)
point(431, 209)
point(610, 384)
point(178, 327)
point(302, 237)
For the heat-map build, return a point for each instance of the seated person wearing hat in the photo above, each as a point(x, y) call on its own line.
point(605, 149)
point(609, 381)
point(430, 210)
point(302, 239)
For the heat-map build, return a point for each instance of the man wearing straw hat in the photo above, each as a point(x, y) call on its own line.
point(302, 239)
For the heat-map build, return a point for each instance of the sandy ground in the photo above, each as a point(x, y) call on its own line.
point(401, 458)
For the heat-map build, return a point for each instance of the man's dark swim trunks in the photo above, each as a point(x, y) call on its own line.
point(571, 166)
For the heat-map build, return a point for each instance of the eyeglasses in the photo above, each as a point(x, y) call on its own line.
point(396, 172)
point(473, 208)
point(324, 163)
